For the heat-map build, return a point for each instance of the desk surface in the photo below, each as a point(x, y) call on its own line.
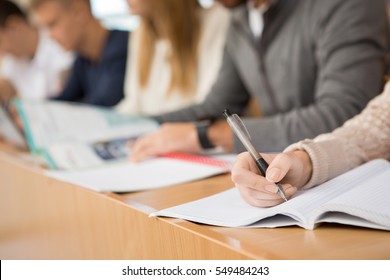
point(42, 218)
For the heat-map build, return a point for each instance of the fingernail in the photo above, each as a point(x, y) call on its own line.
point(271, 188)
point(273, 174)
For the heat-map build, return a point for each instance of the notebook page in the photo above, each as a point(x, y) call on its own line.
point(369, 201)
point(50, 122)
point(307, 201)
point(128, 177)
point(223, 209)
point(346, 219)
point(229, 209)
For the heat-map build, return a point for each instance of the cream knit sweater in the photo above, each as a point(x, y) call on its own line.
point(364, 137)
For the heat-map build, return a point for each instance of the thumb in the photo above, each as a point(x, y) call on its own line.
point(278, 168)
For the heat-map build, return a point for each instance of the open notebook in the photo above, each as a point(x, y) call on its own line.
point(360, 197)
point(72, 136)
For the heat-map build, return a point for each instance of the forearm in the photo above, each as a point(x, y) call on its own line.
point(227, 92)
point(275, 133)
point(211, 108)
point(359, 140)
point(189, 114)
point(221, 135)
point(328, 158)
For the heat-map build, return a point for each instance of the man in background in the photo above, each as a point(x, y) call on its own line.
point(310, 64)
point(98, 73)
point(33, 67)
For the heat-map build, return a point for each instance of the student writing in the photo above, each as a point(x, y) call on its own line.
point(312, 162)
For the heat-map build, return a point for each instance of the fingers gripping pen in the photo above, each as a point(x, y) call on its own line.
point(242, 133)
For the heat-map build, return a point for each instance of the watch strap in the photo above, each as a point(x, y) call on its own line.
point(202, 128)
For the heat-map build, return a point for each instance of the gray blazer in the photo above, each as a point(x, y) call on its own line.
point(317, 64)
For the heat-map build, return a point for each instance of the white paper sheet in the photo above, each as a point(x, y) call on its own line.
point(128, 177)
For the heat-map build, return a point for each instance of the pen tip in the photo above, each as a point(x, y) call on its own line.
point(281, 192)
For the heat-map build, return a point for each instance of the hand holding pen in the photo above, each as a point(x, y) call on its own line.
point(241, 132)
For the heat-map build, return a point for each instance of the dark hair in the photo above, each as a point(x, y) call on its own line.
point(7, 9)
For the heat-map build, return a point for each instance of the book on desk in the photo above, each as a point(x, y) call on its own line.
point(88, 146)
point(360, 197)
point(73, 136)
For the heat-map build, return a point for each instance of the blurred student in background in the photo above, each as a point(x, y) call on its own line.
point(174, 56)
point(33, 67)
point(310, 64)
point(98, 73)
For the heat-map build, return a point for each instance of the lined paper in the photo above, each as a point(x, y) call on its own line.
point(365, 189)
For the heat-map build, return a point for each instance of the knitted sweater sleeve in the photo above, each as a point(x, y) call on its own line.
point(363, 138)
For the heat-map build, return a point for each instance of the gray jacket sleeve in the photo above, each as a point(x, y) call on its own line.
point(351, 43)
point(227, 92)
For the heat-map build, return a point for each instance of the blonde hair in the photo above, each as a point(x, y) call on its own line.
point(179, 23)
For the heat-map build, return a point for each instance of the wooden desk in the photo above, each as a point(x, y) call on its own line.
point(41, 218)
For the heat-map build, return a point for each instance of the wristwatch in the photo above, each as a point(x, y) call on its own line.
point(201, 129)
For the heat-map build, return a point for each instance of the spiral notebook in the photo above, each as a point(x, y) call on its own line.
point(360, 197)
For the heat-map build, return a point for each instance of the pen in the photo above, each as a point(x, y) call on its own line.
point(242, 133)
